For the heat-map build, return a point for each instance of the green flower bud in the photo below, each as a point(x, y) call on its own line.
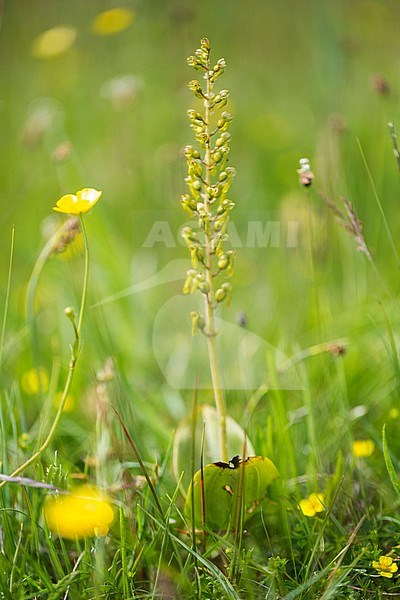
point(198, 322)
point(188, 151)
point(224, 151)
point(221, 209)
point(194, 189)
point(204, 287)
point(205, 44)
point(187, 208)
point(196, 256)
point(198, 129)
point(217, 156)
point(192, 61)
point(223, 262)
point(189, 235)
point(203, 138)
point(201, 55)
point(220, 225)
point(188, 201)
point(221, 64)
point(196, 167)
point(187, 286)
point(220, 295)
point(231, 262)
point(195, 62)
point(69, 312)
point(197, 184)
point(224, 292)
point(195, 87)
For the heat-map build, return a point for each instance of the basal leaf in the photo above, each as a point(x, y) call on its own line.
point(222, 491)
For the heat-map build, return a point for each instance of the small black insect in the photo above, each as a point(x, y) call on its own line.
point(232, 464)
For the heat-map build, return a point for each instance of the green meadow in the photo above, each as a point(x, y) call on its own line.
point(116, 387)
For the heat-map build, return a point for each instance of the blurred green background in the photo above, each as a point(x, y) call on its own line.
point(306, 78)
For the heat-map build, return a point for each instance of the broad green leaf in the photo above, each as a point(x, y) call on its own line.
point(206, 416)
point(223, 492)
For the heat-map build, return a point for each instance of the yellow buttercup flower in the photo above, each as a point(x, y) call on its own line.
point(312, 505)
point(69, 403)
point(385, 566)
point(35, 380)
point(54, 42)
point(112, 21)
point(363, 448)
point(80, 203)
point(86, 512)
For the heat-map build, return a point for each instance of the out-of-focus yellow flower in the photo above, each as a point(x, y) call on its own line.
point(86, 512)
point(394, 413)
point(69, 403)
point(54, 42)
point(312, 505)
point(35, 380)
point(363, 448)
point(385, 566)
point(112, 21)
point(80, 203)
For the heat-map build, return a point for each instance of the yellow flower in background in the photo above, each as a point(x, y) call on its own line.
point(80, 203)
point(363, 448)
point(54, 42)
point(69, 403)
point(86, 512)
point(385, 566)
point(394, 413)
point(34, 381)
point(112, 21)
point(312, 505)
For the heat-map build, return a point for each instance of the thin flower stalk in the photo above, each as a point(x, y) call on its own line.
point(75, 348)
point(209, 179)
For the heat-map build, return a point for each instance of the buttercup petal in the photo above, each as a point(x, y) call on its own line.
point(83, 513)
point(80, 203)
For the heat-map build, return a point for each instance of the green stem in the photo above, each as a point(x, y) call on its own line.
point(31, 294)
point(74, 353)
point(209, 297)
point(7, 300)
point(85, 280)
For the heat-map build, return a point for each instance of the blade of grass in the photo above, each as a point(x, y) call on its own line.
point(209, 566)
point(395, 144)
point(7, 299)
point(379, 204)
point(389, 464)
point(141, 463)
